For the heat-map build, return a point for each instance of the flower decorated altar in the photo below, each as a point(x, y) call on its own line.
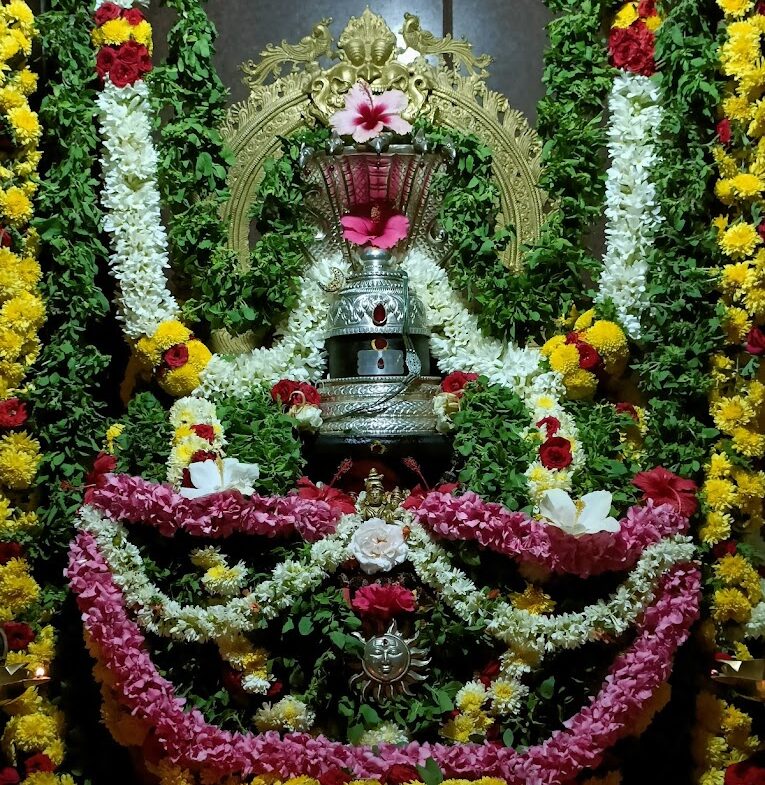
point(363, 460)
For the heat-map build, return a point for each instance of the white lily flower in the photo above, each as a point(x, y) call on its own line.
point(588, 516)
point(210, 477)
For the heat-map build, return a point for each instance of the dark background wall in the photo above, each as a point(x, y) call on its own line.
point(512, 31)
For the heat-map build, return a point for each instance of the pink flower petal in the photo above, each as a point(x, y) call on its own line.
point(363, 134)
point(344, 121)
point(391, 102)
point(396, 228)
point(397, 123)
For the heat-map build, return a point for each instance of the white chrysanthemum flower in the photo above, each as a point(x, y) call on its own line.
point(384, 733)
point(288, 714)
point(507, 696)
point(471, 697)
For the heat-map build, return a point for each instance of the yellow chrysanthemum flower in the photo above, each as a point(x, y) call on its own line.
point(747, 186)
point(115, 31)
point(737, 324)
point(626, 16)
point(26, 81)
point(142, 34)
point(18, 589)
point(716, 528)
point(24, 125)
point(23, 313)
point(15, 206)
point(565, 358)
point(737, 107)
point(736, 8)
point(730, 605)
point(748, 443)
point(611, 344)
point(653, 23)
point(19, 12)
point(580, 384)
point(719, 465)
point(739, 240)
point(180, 381)
point(199, 355)
point(719, 494)
point(533, 600)
point(730, 413)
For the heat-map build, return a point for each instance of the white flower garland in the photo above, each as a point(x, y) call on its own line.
point(157, 613)
point(632, 210)
point(131, 204)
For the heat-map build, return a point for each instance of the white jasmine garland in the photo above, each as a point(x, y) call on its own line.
point(131, 204)
point(632, 209)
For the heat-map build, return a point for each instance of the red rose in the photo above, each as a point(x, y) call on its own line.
point(761, 7)
point(39, 762)
point(727, 548)
point(5, 237)
point(176, 356)
point(632, 48)
point(489, 673)
point(136, 54)
point(105, 59)
point(12, 413)
point(335, 777)
point(337, 500)
point(19, 635)
point(206, 432)
point(664, 487)
point(400, 773)
point(103, 464)
point(310, 393)
point(133, 16)
point(123, 74)
point(232, 681)
point(282, 391)
point(647, 8)
point(419, 492)
point(628, 409)
point(106, 13)
point(290, 393)
point(383, 600)
point(555, 453)
point(589, 359)
point(550, 424)
point(456, 381)
point(8, 551)
point(9, 776)
point(275, 688)
point(724, 133)
point(748, 772)
point(203, 455)
point(755, 341)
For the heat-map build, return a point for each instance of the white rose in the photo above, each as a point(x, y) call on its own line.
point(445, 405)
point(378, 546)
point(307, 416)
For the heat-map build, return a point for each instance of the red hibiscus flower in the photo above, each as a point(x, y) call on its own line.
point(748, 772)
point(724, 132)
point(176, 356)
point(19, 635)
point(628, 409)
point(550, 424)
point(632, 48)
point(337, 500)
point(13, 413)
point(555, 453)
point(401, 773)
point(133, 16)
point(39, 763)
point(9, 776)
point(335, 777)
point(5, 238)
point(419, 492)
point(8, 551)
point(755, 341)
point(456, 381)
point(664, 487)
point(106, 12)
point(376, 225)
point(204, 431)
point(383, 600)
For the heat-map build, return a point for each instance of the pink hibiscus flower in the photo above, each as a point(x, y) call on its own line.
point(379, 227)
point(366, 115)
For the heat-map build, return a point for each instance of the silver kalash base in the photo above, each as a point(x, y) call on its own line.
point(408, 413)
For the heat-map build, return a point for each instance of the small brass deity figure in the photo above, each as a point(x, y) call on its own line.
point(377, 502)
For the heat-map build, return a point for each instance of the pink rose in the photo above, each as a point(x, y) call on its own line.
point(755, 341)
point(383, 600)
point(176, 356)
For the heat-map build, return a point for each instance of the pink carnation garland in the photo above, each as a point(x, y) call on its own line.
point(134, 500)
point(516, 534)
point(189, 741)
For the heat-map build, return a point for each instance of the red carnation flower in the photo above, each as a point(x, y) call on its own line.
point(400, 773)
point(632, 48)
point(8, 551)
point(9, 776)
point(133, 16)
point(589, 359)
point(724, 132)
point(664, 487)
point(5, 238)
point(13, 413)
point(337, 500)
point(106, 12)
point(456, 381)
point(748, 772)
point(555, 453)
point(419, 492)
point(176, 356)
point(383, 600)
point(203, 431)
point(627, 408)
point(550, 424)
point(18, 634)
point(335, 777)
point(39, 763)
point(755, 341)
point(647, 8)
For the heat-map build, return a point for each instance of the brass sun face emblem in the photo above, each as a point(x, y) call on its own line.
point(390, 665)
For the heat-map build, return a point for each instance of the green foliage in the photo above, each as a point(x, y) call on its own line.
point(144, 444)
point(489, 443)
point(258, 432)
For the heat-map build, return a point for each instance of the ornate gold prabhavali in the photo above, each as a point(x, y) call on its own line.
point(443, 80)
